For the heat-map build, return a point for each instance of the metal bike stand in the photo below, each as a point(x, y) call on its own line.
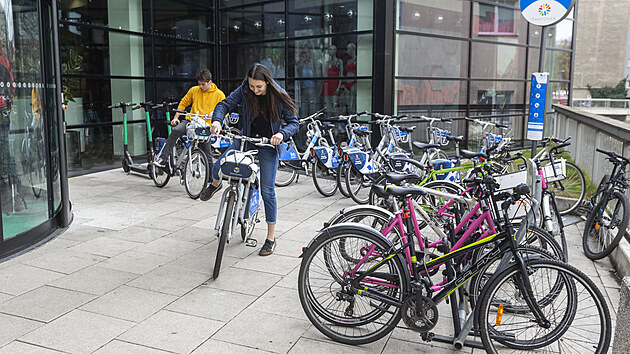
point(463, 331)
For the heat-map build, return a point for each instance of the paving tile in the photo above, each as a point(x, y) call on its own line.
point(401, 346)
point(136, 262)
point(129, 303)
point(65, 261)
point(19, 279)
point(138, 234)
point(374, 347)
point(169, 223)
point(269, 303)
point(94, 280)
point(105, 246)
point(169, 280)
point(290, 280)
point(290, 248)
point(275, 263)
point(217, 346)
point(193, 234)
point(307, 346)
point(5, 297)
point(77, 332)
point(172, 331)
point(82, 233)
point(19, 347)
point(45, 303)
point(212, 303)
point(13, 327)
point(244, 281)
point(117, 347)
point(168, 247)
point(272, 332)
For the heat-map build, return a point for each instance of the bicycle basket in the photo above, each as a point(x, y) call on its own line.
point(236, 164)
point(198, 131)
point(438, 136)
point(233, 118)
point(401, 136)
point(441, 164)
point(555, 172)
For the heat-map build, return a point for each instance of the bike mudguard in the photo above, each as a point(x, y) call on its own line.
point(362, 161)
point(326, 156)
point(439, 164)
point(342, 212)
point(287, 152)
point(253, 202)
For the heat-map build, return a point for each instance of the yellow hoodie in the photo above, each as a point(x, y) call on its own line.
point(202, 102)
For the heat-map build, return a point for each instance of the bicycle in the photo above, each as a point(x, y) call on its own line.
point(608, 212)
point(291, 160)
point(33, 162)
point(187, 160)
point(240, 202)
point(360, 298)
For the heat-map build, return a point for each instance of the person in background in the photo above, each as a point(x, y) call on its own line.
point(203, 99)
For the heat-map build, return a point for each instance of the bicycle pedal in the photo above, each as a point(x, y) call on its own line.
point(251, 242)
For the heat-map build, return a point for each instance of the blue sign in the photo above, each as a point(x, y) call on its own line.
point(536, 120)
point(545, 12)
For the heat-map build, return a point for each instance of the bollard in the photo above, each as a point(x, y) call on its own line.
point(621, 341)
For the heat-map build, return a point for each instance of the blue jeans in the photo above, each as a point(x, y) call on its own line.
point(268, 162)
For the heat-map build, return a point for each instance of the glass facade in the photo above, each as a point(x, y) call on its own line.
point(126, 51)
point(457, 58)
point(30, 187)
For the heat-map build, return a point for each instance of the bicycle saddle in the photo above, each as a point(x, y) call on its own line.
point(399, 178)
point(327, 125)
point(459, 139)
point(423, 146)
point(407, 129)
point(386, 191)
point(469, 154)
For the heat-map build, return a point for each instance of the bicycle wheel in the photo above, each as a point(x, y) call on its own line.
point(196, 173)
point(358, 184)
point(579, 319)
point(570, 191)
point(371, 217)
point(324, 179)
point(224, 232)
point(160, 177)
point(605, 225)
point(285, 174)
point(343, 312)
point(341, 179)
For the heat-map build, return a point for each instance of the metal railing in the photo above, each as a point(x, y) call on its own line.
point(601, 103)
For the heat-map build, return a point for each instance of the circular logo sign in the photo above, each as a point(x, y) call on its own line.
point(545, 13)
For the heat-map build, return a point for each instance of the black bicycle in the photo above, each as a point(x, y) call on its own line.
point(607, 211)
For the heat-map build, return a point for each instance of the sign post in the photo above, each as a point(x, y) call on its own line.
point(541, 13)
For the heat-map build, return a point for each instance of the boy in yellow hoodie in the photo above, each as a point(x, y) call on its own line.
point(203, 98)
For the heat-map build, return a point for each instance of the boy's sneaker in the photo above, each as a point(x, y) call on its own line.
point(267, 248)
point(210, 191)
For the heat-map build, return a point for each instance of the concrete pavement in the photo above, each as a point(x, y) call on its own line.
point(133, 274)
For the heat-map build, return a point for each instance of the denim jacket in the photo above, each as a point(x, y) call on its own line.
point(288, 124)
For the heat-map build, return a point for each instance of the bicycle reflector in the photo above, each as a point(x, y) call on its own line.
point(499, 314)
point(345, 157)
point(313, 153)
point(340, 153)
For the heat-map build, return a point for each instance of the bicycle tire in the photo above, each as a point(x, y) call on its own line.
point(573, 184)
point(573, 309)
point(160, 177)
point(341, 179)
point(324, 179)
point(358, 185)
point(596, 248)
point(196, 174)
point(342, 325)
point(224, 233)
point(285, 174)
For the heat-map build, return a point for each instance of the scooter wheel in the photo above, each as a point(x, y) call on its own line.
point(125, 165)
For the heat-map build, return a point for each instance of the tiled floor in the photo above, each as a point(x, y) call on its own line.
point(132, 274)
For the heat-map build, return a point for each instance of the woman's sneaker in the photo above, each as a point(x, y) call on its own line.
point(267, 248)
point(210, 191)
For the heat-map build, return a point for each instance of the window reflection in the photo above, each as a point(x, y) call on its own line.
point(448, 17)
point(254, 23)
point(496, 97)
point(23, 167)
point(425, 56)
point(498, 61)
point(133, 15)
point(182, 20)
point(492, 22)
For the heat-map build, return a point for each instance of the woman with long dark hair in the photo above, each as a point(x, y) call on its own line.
point(266, 111)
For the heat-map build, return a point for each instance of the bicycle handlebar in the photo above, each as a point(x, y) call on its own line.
point(255, 141)
point(121, 104)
